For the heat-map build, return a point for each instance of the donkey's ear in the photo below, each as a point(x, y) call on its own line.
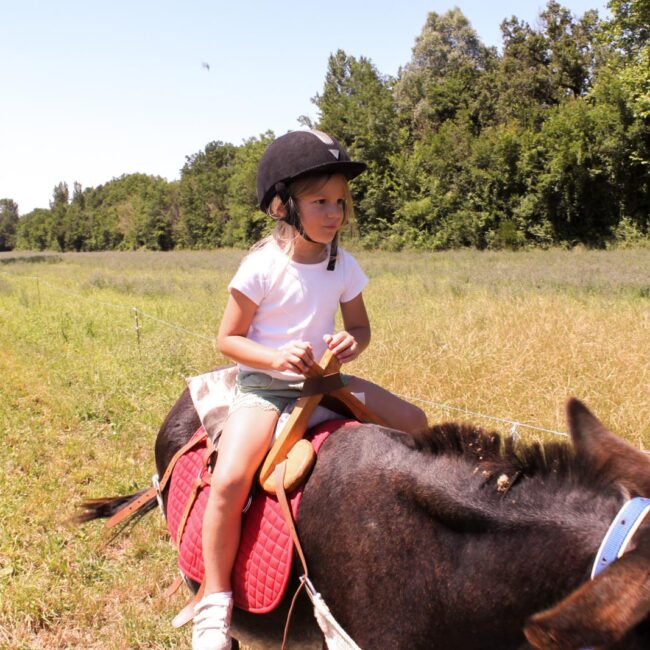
point(610, 456)
point(598, 613)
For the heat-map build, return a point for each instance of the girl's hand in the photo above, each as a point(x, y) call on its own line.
point(295, 356)
point(343, 345)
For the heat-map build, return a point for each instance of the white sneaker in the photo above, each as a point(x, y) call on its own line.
point(212, 623)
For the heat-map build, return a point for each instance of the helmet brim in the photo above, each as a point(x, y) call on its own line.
point(349, 168)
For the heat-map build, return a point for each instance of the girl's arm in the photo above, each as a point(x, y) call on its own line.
point(233, 343)
point(350, 343)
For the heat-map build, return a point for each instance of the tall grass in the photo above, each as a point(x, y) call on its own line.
point(509, 335)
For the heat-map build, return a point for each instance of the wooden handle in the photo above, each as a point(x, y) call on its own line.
point(294, 428)
point(360, 411)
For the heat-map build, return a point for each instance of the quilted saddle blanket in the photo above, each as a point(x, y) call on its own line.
point(263, 564)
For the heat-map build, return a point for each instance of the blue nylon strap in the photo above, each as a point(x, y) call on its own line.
point(620, 532)
point(625, 523)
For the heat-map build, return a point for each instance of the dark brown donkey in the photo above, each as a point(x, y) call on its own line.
point(455, 540)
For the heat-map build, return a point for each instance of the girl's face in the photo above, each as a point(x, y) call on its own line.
point(322, 209)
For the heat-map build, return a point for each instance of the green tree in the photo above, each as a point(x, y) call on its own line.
point(542, 67)
point(8, 224)
point(58, 209)
point(629, 28)
point(571, 43)
point(162, 217)
point(579, 170)
point(144, 210)
point(203, 191)
point(34, 231)
point(444, 74)
point(628, 32)
point(357, 106)
point(245, 223)
point(130, 212)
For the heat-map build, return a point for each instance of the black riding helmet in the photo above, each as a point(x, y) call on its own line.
point(296, 155)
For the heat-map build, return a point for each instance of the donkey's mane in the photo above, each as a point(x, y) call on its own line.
point(494, 455)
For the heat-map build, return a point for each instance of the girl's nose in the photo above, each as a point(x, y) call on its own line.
point(334, 210)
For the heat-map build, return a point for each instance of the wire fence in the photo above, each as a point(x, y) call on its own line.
point(138, 314)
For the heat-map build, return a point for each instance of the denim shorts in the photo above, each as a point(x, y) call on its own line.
point(259, 390)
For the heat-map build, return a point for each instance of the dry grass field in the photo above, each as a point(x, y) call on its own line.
point(95, 349)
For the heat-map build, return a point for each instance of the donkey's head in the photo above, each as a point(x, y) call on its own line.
point(603, 611)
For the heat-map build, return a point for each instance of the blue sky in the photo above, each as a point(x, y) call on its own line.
point(94, 90)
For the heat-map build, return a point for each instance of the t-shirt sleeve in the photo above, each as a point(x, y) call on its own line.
point(250, 279)
point(355, 279)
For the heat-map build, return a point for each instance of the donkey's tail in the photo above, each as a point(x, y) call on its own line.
point(108, 507)
point(129, 509)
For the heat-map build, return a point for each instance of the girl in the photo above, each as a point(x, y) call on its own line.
point(280, 318)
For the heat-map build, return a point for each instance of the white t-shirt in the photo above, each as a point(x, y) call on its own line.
point(295, 301)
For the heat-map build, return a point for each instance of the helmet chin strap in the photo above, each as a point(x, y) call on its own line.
point(334, 250)
point(293, 219)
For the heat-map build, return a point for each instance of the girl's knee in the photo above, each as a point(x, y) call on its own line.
point(416, 420)
point(227, 489)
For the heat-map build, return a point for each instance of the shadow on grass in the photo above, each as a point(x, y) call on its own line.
point(31, 259)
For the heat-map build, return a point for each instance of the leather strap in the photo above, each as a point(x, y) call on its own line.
point(279, 471)
point(173, 587)
point(199, 482)
point(278, 474)
point(133, 506)
point(294, 428)
point(321, 385)
point(196, 486)
point(187, 613)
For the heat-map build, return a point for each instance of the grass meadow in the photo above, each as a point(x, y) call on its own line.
point(84, 386)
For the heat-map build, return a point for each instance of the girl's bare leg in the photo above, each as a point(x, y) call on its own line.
point(398, 413)
point(244, 441)
point(243, 444)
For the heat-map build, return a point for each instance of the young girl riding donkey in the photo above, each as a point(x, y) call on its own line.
point(280, 318)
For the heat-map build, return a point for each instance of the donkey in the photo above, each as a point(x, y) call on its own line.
point(455, 539)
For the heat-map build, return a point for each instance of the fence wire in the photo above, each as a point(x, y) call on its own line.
point(514, 425)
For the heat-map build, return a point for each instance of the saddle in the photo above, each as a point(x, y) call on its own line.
point(263, 564)
point(264, 559)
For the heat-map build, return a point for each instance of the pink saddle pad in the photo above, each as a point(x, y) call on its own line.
point(263, 564)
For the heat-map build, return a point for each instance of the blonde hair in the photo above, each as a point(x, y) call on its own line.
point(284, 235)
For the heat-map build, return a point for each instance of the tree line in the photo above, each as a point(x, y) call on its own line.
point(546, 142)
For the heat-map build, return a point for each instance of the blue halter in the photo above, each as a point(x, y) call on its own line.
point(620, 533)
